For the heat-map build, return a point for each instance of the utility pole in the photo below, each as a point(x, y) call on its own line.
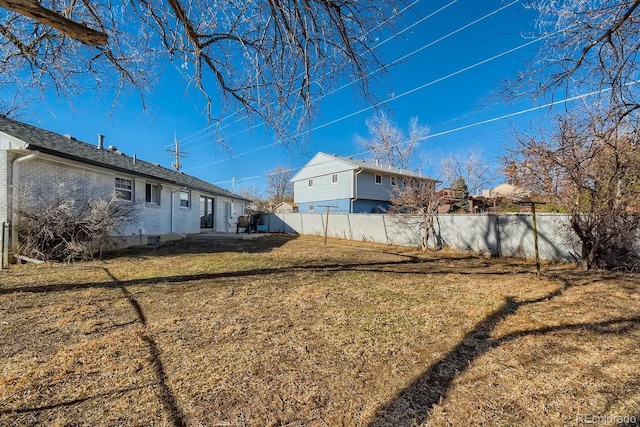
point(175, 152)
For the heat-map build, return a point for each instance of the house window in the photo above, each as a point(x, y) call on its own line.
point(378, 179)
point(310, 183)
point(124, 188)
point(185, 199)
point(312, 208)
point(394, 181)
point(152, 193)
point(206, 212)
point(334, 178)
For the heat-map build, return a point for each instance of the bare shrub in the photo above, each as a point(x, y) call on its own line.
point(62, 227)
point(416, 205)
point(590, 169)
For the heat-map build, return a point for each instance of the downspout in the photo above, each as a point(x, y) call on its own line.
point(184, 236)
point(355, 188)
point(15, 179)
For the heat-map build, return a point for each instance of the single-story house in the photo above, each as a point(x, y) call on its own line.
point(169, 204)
point(285, 207)
point(346, 185)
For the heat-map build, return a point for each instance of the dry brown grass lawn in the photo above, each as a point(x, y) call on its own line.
point(282, 331)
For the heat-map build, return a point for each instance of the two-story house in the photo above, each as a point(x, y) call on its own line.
point(347, 185)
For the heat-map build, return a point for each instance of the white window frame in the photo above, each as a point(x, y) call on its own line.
point(310, 182)
point(188, 199)
point(312, 208)
point(123, 191)
point(378, 179)
point(393, 181)
point(334, 178)
point(152, 189)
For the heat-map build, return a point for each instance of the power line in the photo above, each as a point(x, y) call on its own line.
point(398, 13)
point(472, 125)
point(391, 99)
point(398, 60)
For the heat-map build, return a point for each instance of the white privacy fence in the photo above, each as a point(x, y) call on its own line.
point(508, 235)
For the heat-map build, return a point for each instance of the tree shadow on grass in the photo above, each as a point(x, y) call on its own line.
point(413, 405)
point(194, 246)
point(73, 402)
point(411, 265)
point(167, 397)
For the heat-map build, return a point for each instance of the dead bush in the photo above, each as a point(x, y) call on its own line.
point(61, 227)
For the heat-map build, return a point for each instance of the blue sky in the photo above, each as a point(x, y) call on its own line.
point(450, 79)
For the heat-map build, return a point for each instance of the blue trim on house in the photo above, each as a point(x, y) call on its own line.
point(344, 206)
point(370, 206)
point(337, 206)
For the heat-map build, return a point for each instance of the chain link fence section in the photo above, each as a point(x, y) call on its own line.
point(510, 235)
point(497, 235)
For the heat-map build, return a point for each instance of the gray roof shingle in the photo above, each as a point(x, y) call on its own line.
point(371, 166)
point(63, 146)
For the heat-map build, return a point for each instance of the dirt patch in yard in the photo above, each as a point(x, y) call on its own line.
point(284, 331)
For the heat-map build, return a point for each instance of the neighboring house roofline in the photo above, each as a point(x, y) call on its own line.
point(361, 165)
point(47, 142)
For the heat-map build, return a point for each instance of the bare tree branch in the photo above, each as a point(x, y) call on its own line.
point(263, 59)
point(389, 145)
point(591, 170)
point(33, 9)
point(279, 187)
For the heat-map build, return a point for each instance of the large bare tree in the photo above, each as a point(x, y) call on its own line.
point(263, 58)
point(593, 172)
point(389, 145)
point(470, 165)
point(416, 204)
point(279, 186)
point(586, 161)
point(591, 47)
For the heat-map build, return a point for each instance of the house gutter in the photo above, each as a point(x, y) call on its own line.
point(15, 180)
point(355, 187)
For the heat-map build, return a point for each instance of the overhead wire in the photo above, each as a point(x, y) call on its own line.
point(396, 61)
point(371, 107)
point(464, 127)
point(324, 95)
point(396, 14)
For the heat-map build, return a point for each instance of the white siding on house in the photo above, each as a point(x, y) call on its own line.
point(41, 176)
point(186, 220)
point(227, 212)
point(57, 162)
point(368, 189)
point(321, 164)
point(323, 187)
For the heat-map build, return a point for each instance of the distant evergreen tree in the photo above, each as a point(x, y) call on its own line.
point(461, 196)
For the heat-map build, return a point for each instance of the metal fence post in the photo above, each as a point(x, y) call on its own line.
point(535, 237)
point(3, 251)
